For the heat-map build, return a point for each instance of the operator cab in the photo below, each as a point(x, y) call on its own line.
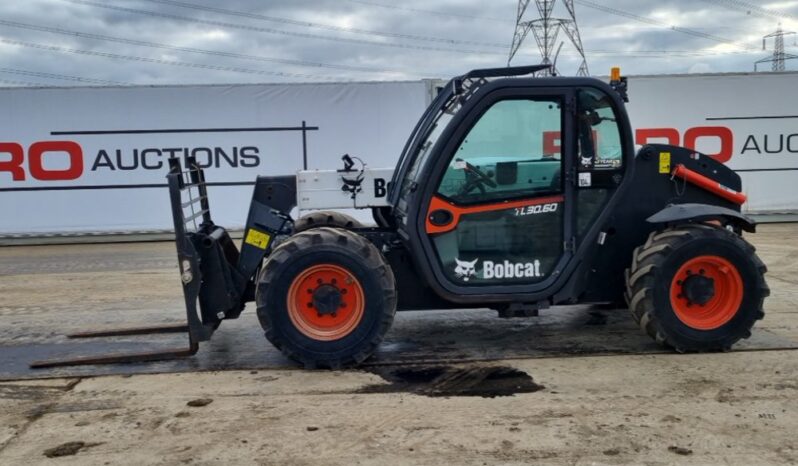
point(503, 180)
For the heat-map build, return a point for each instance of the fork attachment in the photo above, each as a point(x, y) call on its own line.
point(217, 279)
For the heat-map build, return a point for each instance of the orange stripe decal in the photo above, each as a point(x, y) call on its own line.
point(438, 203)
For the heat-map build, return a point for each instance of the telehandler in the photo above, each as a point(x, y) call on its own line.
point(514, 192)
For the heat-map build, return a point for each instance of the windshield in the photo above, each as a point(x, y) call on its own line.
point(449, 101)
point(424, 148)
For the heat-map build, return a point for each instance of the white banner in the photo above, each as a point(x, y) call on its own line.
point(94, 159)
point(750, 121)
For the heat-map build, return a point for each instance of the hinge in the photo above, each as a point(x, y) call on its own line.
point(570, 105)
point(570, 245)
point(570, 176)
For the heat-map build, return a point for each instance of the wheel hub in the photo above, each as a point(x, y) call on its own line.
point(698, 289)
point(706, 292)
point(327, 299)
point(325, 302)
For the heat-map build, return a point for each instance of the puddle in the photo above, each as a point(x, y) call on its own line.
point(487, 382)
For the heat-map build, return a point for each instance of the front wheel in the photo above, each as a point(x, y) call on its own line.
point(326, 297)
point(696, 288)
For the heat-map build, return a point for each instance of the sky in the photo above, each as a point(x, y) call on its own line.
point(145, 42)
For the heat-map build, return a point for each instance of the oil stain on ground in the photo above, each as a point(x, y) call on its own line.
point(487, 382)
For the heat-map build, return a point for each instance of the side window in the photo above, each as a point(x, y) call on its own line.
point(600, 156)
point(600, 145)
point(511, 152)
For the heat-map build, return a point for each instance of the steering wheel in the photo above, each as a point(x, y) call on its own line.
point(475, 178)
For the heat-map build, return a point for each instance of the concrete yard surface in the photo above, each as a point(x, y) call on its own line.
point(734, 408)
point(573, 386)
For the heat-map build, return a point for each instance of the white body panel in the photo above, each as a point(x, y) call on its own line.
point(324, 189)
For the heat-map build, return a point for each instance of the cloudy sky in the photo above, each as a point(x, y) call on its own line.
point(77, 42)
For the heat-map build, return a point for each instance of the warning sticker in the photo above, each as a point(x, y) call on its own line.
point(665, 162)
point(257, 238)
point(585, 180)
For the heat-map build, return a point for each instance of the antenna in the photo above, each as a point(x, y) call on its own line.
point(779, 55)
point(545, 29)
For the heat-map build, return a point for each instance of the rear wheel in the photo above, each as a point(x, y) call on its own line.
point(326, 297)
point(325, 218)
point(696, 288)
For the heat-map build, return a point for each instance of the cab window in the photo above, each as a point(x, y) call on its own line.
point(599, 142)
point(600, 156)
point(511, 152)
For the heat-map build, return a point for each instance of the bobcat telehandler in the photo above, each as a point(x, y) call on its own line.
point(514, 192)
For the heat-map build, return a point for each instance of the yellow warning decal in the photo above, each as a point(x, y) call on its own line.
point(665, 162)
point(258, 239)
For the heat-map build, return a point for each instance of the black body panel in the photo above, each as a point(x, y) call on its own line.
point(650, 191)
point(678, 213)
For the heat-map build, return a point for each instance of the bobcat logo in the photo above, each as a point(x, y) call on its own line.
point(465, 269)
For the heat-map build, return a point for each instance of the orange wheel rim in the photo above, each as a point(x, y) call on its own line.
point(706, 292)
point(325, 302)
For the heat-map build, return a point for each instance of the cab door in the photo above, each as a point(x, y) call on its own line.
point(498, 218)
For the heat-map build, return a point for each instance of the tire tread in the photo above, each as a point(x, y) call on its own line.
point(357, 245)
point(641, 277)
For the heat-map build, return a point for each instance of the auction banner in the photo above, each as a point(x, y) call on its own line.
point(95, 159)
point(82, 159)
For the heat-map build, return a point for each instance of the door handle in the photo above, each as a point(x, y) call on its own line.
point(440, 217)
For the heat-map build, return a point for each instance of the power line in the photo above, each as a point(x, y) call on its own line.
point(66, 32)
point(54, 48)
point(65, 77)
point(21, 83)
point(327, 27)
point(750, 8)
point(655, 22)
point(432, 12)
point(244, 27)
point(665, 52)
point(659, 53)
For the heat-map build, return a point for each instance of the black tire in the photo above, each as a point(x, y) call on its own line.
point(325, 218)
point(334, 247)
point(651, 277)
